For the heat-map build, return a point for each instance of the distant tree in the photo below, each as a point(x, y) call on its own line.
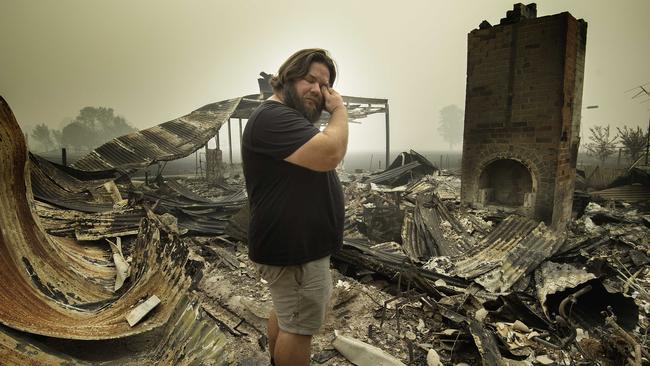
point(41, 134)
point(78, 134)
point(601, 145)
point(451, 124)
point(56, 137)
point(93, 127)
point(634, 142)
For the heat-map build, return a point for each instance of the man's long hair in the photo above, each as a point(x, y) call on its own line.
point(297, 66)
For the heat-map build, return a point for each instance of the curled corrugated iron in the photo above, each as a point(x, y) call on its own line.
point(49, 286)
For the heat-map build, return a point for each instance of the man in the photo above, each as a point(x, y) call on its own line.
point(296, 200)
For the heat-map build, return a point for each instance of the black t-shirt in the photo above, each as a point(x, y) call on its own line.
point(296, 214)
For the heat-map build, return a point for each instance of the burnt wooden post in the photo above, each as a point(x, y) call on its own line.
point(229, 143)
point(647, 144)
point(240, 133)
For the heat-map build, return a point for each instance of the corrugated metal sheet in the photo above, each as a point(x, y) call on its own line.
point(488, 254)
point(167, 141)
point(50, 292)
point(89, 226)
point(403, 169)
point(186, 199)
point(85, 220)
point(522, 259)
point(197, 214)
point(416, 239)
point(514, 248)
point(71, 179)
point(627, 193)
point(421, 234)
point(62, 190)
point(183, 191)
point(389, 177)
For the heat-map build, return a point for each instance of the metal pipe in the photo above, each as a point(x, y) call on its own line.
point(387, 114)
point(573, 298)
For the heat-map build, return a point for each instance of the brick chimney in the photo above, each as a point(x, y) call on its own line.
point(522, 113)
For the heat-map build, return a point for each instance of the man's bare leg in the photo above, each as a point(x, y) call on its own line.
point(292, 349)
point(272, 331)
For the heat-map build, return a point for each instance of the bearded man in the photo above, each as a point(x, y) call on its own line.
point(296, 200)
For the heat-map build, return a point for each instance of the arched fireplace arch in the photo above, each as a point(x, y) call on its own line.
point(506, 182)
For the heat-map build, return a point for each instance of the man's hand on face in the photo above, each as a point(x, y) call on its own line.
point(333, 99)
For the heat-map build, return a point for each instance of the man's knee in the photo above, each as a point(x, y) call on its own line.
point(294, 339)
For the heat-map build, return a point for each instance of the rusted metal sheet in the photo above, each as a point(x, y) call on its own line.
point(167, 141)
point(50, 293)
point(181, 197)
point(189, 329)
point(196, 214)
point(18, 349)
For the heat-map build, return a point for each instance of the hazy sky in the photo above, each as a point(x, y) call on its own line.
point(153, 61)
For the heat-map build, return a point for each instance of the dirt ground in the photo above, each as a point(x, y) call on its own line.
point(355, 309)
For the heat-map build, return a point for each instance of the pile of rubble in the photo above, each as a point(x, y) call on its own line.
point(512, 290)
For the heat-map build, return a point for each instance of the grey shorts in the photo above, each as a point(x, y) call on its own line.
point(300, 294)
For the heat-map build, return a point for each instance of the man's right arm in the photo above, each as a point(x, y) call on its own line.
point(325, 150)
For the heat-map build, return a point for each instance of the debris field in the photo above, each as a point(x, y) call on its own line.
point(113, 271)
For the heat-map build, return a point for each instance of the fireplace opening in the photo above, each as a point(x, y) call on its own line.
point(506, 182)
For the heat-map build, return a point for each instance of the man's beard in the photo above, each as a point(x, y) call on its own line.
point(293, 100)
